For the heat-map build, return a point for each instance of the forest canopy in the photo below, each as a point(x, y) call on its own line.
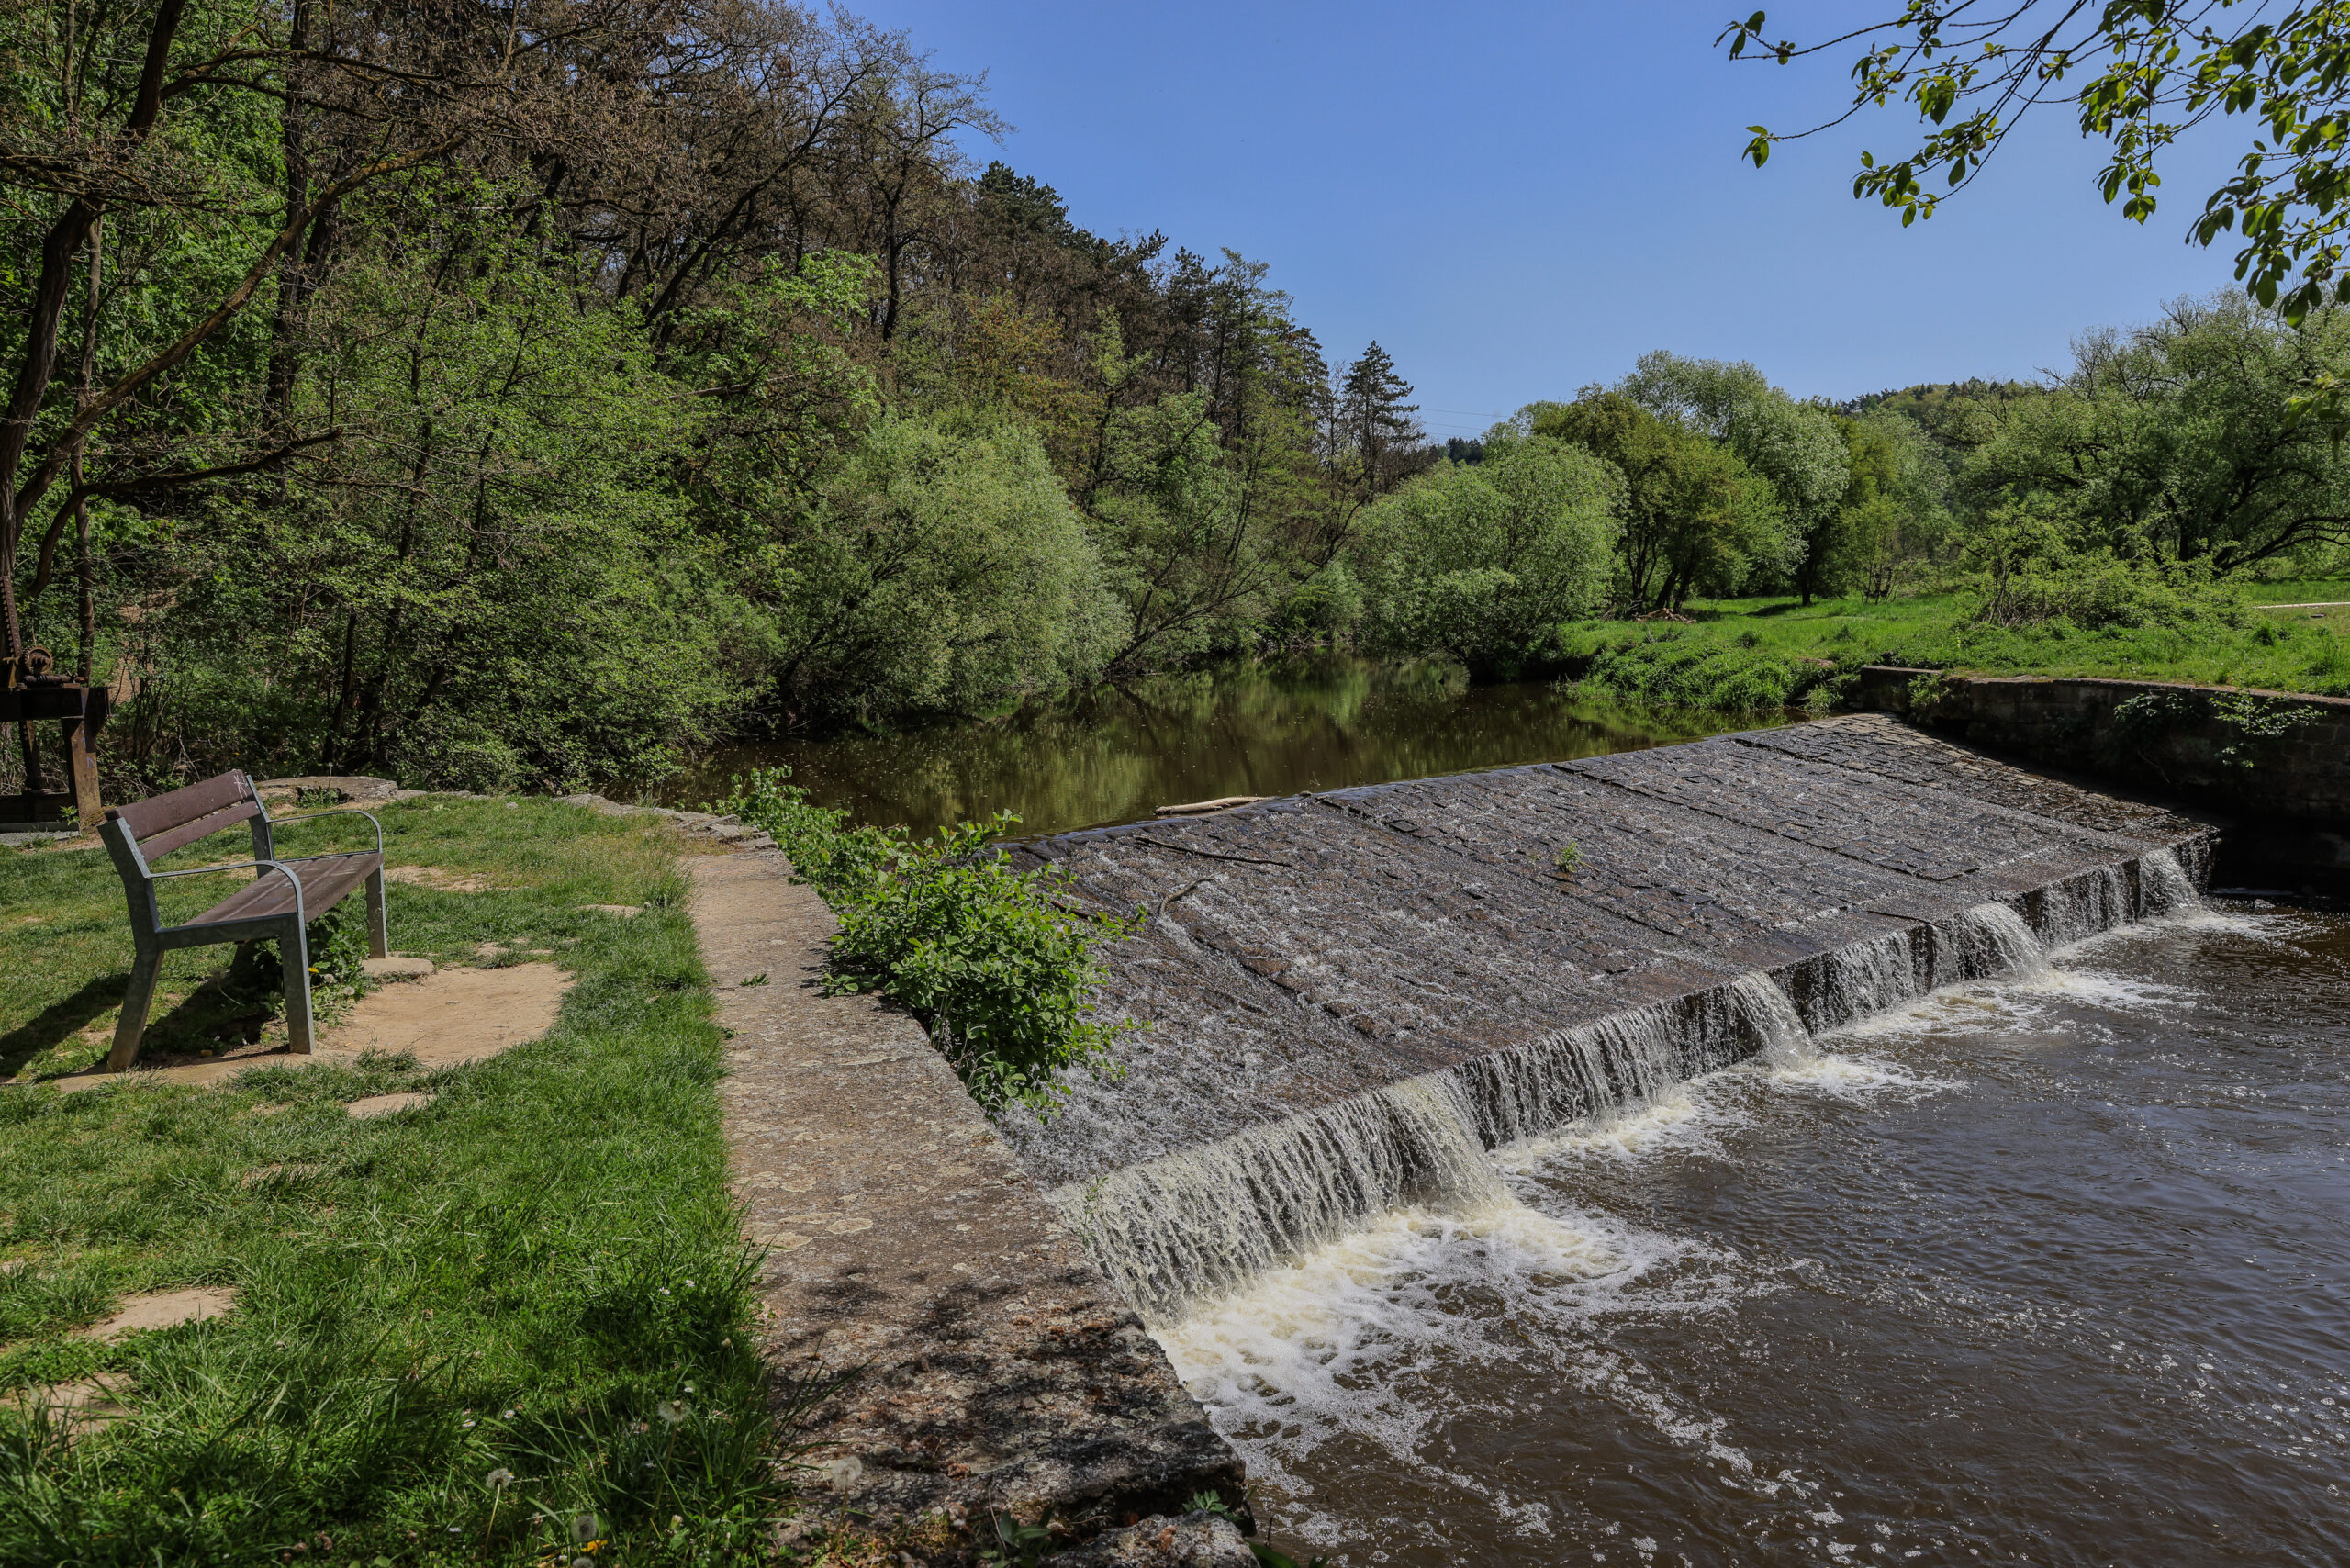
point(537, 396)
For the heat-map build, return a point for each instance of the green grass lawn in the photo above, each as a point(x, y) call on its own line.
point(1766, 652)
point(490, 1330)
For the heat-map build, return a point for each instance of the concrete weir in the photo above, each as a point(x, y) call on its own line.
point(1349, 996)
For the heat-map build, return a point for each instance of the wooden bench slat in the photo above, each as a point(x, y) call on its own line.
point(324, 882)
point(179, 838)
point(152, 816)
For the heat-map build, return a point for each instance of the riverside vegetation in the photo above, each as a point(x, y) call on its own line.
point(997, 967)
point(639, 376)
point(494, 1329)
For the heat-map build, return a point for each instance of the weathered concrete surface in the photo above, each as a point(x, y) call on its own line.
point(1311, 949)
point(2288, 793)
point(993, 1364)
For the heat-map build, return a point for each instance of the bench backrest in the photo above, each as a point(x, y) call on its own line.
point(165, 822)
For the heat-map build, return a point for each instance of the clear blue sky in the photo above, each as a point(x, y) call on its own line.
point(1517, 199)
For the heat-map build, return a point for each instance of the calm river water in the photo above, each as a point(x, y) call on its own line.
point(2053, 1271)
point(1119, 753)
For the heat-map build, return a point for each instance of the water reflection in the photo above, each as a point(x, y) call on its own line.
point(1117, 753)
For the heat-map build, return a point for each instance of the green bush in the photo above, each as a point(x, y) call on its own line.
point(995, 965)
point(1678, 670)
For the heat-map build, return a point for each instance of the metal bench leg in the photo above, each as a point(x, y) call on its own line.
point(379, 930)
point(135, 1003)
point(293, 949)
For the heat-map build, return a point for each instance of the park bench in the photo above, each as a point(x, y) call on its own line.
point(283, 897)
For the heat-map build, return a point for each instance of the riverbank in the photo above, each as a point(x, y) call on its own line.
point(1767, 653)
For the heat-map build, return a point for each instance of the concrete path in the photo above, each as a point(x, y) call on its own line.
point(992, 1365)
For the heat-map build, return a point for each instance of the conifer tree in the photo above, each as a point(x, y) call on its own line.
point(1377, 419)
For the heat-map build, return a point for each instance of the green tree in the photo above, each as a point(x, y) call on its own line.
point(490, 582)
point(1375, 417)
point(1894, 512)
point(1482, 563)
point(2136, 74)
point(943, 569)
point(1696, 520)
point(2177, 442)
point(1793, 447)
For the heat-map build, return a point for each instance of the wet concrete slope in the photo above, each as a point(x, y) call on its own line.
point(1315, 949)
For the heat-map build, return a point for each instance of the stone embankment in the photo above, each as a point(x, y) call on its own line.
point(2276, 763)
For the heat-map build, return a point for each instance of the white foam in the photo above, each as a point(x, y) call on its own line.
point(1358, 1337)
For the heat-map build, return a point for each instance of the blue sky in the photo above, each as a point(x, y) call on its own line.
point(1518, 199)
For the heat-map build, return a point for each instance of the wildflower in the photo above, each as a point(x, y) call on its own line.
point(690, 1284)
point(671, 1411)
point(502, 1477)
point(690, 1388)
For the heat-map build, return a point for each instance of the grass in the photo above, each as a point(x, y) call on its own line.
point(1767, 653)
point(496, 1328)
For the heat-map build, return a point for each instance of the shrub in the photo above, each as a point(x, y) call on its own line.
point(996, 967)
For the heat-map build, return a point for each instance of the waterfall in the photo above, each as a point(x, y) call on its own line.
point(1193, 1224)
point(1188, 1227)
point(1989, 939)
point(1864, 978)
point(2083, 906)
point(2164, 886)
point(1181, 1229)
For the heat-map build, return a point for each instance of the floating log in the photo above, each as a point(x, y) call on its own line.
point(1202, 808)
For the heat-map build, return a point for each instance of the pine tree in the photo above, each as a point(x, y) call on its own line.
point(1377, 419)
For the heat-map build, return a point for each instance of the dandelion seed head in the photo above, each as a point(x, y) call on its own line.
point(502, 1477)
point(583, 1529)
point(671, 1411)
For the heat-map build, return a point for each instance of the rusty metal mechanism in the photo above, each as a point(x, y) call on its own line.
point(31, 691)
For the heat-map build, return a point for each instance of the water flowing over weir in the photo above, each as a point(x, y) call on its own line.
point(1351, 997)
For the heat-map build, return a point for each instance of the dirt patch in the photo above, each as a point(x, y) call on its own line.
point(396, 966)
point(452, 1015)
point(438, 880)
point(83, 1406)
point(162, 1309)
point(622, 911)
point(443, 1018)
point(385, 1106)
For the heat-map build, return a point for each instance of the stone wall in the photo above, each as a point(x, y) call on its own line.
point(2275, 764)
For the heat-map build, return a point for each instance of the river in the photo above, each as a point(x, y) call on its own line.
point(2044, 1270)
point(1118, 753)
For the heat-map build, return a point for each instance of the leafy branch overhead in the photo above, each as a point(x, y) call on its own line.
point(2137, 74)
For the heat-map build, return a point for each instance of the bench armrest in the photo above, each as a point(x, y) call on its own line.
point(337, 811)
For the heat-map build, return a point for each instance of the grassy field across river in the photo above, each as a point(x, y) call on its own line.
point(500, 1326)
point(1765, 653)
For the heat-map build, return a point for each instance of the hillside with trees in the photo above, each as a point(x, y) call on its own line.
point(531, 396)
point(536, 398)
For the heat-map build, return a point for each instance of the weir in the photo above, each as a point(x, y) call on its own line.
point(1349, 997)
